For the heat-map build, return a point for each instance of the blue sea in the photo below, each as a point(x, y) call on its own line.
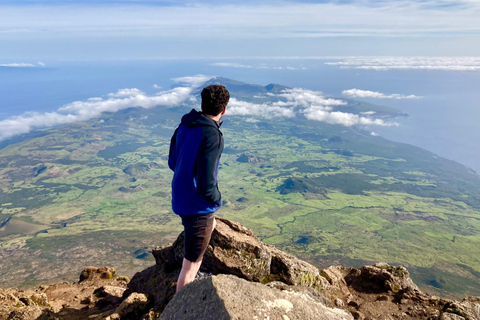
point(444, 120)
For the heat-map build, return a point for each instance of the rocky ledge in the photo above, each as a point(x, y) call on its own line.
point(249, 280)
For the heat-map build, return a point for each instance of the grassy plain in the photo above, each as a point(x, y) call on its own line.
point(98, 193)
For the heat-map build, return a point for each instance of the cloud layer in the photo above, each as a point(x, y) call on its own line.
point(22, 65)
point(249, 66)
point(230, 29)
point(409, 63)
point(357, 93)
point(312, 104)
point(94, 107)
point(288, 103)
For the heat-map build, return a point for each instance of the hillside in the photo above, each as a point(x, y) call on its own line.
point(249, 280)
point(98, 193)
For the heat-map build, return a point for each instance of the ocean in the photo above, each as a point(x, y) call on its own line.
point(443, 120)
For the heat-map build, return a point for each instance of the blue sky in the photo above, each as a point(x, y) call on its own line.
point(33, 30)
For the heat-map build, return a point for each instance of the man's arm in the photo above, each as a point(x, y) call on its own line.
point(207, 165)
point(172, 155)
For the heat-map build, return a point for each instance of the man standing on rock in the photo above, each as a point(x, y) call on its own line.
point(195, 151)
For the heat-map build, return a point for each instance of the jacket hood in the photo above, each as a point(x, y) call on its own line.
point(196, 119)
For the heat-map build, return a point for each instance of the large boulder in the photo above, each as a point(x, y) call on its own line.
point(233, 249)
point(226, 297)
point(381, 277)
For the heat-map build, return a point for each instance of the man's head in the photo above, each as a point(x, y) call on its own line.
point(214, 99)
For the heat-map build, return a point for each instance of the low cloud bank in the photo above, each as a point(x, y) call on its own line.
point(94, 107)
point(249, 66)
point(406, 63)
point(22, 65)
point(357, 93)
point(312, 104)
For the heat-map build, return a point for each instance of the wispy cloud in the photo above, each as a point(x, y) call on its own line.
point(194, 81)
point(94, 107)
point(288, 103)
point(228, 19)
point(357, 93)
point(249, 66)
point(22, 65)
point(263, 110)
point(409, 63)
point(231, 65)
point(312, 104)
point(343, 118)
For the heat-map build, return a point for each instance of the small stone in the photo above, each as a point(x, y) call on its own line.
point(358, 315)
point(110, 291)
point(339, 303)
point(285, 317)
point(113, 316)
point(87, 273)
point(134, 303)
point(382, 298)
point(123, 279)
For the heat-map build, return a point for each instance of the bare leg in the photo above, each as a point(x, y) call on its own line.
point(188, 273)
point(190, 269)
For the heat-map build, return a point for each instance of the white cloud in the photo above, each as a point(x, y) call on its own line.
point(343, 118)
point(259, 20)
point(304, 98)
point(231, 65)
point(17, 65)
point(94, 107)
point(23, 65)
point(290, 102)
point(122, 93)
point(312, 104)
point(357, 93)
point(264, 110)
point(373, 134)
point(155, 86)
point(193, 81)
point(248, 66)
point(409, 63)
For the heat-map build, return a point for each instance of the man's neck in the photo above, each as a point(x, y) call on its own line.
point(216, 118)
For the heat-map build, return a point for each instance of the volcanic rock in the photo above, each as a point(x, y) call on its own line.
point(226, 297)
point(251, 280)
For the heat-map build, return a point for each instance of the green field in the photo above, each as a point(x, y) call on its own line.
point(98, 193)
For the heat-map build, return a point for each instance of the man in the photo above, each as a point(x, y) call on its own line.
point(195, 151)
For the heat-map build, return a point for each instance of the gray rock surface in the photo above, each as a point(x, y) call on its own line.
point(229, 297)
point(233, 249)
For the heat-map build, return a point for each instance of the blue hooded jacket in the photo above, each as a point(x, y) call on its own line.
point(195, 150)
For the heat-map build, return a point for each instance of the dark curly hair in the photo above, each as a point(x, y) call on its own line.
point(214, 99)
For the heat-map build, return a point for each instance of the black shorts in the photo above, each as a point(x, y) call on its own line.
point(198, 230)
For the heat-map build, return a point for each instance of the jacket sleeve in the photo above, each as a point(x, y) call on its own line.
point(207, 166)
point(172, 155)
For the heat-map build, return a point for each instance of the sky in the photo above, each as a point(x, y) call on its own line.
point(34, 31)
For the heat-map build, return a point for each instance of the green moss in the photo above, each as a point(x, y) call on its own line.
point(271, 277)
point(308, 279)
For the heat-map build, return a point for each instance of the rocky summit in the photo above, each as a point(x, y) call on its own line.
point(243, 278)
